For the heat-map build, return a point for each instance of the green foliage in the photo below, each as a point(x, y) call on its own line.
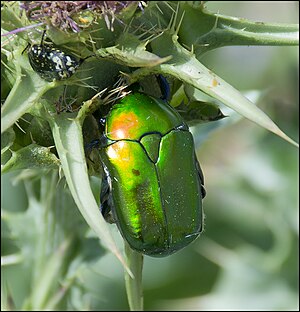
point(52, 258)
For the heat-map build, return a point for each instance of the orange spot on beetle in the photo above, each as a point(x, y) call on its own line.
point(123, 126)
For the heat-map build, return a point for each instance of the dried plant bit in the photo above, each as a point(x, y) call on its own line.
point(75, 15)
point(63, 105)
point(118, 92)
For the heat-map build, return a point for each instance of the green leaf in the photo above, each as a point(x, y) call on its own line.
point(188, 69)
point(7, 140)
point(67, 133)
point(199, 112)
point(39, 130)
point(206, 31)
point(10, 17)
point(32, 156)
point(48, 278)
point(194, 106)
point(131, 52)
point(26, 92)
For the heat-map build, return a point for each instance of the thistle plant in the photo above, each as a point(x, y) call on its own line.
point(48, 127)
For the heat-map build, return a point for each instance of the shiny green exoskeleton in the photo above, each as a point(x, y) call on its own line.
point(156, 184)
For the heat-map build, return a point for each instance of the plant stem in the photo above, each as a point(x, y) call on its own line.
point(134, 286)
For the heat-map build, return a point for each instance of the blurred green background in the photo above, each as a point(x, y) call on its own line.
point(247, 257)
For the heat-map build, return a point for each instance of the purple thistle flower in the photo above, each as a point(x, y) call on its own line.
point(61, 14)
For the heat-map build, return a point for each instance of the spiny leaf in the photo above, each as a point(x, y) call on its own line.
point(188, 69)
point(32, 156)
point(67, 133)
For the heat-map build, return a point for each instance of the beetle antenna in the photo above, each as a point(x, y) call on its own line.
point(44, 32)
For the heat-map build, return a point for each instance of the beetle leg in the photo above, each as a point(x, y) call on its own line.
point(164, 87)
point(28, 45)
point(106, 200)
point(200, 173)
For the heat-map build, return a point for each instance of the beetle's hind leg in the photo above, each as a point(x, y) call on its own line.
point(106, 200)
point(200, 173)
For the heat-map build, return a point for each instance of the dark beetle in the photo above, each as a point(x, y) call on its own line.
point(52, 63)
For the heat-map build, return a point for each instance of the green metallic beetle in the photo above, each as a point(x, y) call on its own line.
point(155, 184)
